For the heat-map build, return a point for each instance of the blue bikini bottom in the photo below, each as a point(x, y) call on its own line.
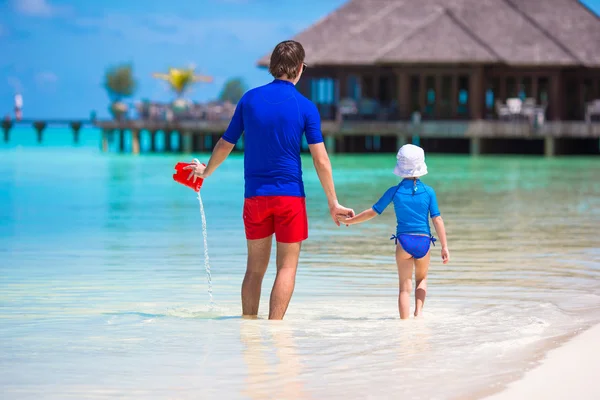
point(415, 245)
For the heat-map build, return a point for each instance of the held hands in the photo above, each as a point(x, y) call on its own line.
point(197, 170)
point(445, 255)
point(338, 211)
point(345, 219)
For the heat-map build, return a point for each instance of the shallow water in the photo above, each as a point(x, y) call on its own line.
point(103, 291)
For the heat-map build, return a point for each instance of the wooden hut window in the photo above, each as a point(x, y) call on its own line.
point(463, 96)
point(316, 90)
point(367, 87)
point(491, 94)
point(573, 102)
point(387, 88)
point(543, 89)
point(354, 87)
point(430, 97)
point(445, 104)
point(323, 94)
point(415, 83)
point(511, 88)
point(588, 90)
point(526, 88)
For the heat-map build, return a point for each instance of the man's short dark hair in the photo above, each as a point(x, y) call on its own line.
point(286, 59)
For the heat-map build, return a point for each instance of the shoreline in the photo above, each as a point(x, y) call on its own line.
point(564, 372)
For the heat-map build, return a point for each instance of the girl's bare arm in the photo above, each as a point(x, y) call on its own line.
point(362, 217)
point(438, 223)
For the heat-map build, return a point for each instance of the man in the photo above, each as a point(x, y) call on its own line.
point(273, 118)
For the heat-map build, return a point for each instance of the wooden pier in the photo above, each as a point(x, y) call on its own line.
point(474, 137)
point(466, 137)
point(41, 125)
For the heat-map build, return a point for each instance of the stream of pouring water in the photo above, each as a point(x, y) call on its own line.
point(206, 259)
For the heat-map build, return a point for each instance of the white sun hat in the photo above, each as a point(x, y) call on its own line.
point(411, 162)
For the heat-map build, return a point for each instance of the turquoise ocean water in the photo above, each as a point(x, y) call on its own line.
point(103, 292)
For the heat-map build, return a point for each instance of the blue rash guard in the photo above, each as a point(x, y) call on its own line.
point(413, 203)
point(273, 118)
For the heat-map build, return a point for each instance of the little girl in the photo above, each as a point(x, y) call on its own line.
point(413, 202)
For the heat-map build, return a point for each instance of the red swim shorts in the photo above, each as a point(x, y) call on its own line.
point(285, 216)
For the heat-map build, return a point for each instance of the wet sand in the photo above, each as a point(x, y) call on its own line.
point(570, 371)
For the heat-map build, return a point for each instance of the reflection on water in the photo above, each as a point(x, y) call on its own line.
point(271, 375)
point(103, 290)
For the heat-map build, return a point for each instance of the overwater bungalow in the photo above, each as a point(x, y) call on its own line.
point(454, 60)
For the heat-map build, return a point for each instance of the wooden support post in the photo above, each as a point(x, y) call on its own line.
point(76, 127)
point(208, 142)
point(39, 128)
point(403, 94)
point(168, 142)
point(199, 142)
point(105, 140)
point(340, 144)
point(7, 125)
point(438, 96)
point(135, 141)
point(186, 142)
point(475, 146)
point(549, 146)
point(476, 93)
point(152, 141)
point(555, 97)
point(502, 96)
point(122, 140)
point(454, 96)
point(343, 84)
point(400, 140)
point(375, 78)
point(330, 144)
point(179, 136)
point(534, 87)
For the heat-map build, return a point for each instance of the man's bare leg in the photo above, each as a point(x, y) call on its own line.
point(259, 252)
point(405, 267)
point(421, 268)
point(283, 288)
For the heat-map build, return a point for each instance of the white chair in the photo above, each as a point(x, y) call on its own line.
point(514, 105)
point(502, 110)
point(592, 109)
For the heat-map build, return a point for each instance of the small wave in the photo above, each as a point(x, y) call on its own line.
point(180, 313)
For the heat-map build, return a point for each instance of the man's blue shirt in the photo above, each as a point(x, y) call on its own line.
point(273, 119)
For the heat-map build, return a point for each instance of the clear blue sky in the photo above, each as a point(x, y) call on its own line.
point(55, 52)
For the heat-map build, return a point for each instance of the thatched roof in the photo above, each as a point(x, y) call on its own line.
point(514, 32)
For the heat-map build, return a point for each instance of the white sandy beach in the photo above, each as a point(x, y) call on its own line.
point(570, 371)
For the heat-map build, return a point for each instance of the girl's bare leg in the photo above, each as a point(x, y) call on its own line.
point(405, 268)
point(421, 268)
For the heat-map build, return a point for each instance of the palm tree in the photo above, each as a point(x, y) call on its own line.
point(181, 79)
point(119, 84)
